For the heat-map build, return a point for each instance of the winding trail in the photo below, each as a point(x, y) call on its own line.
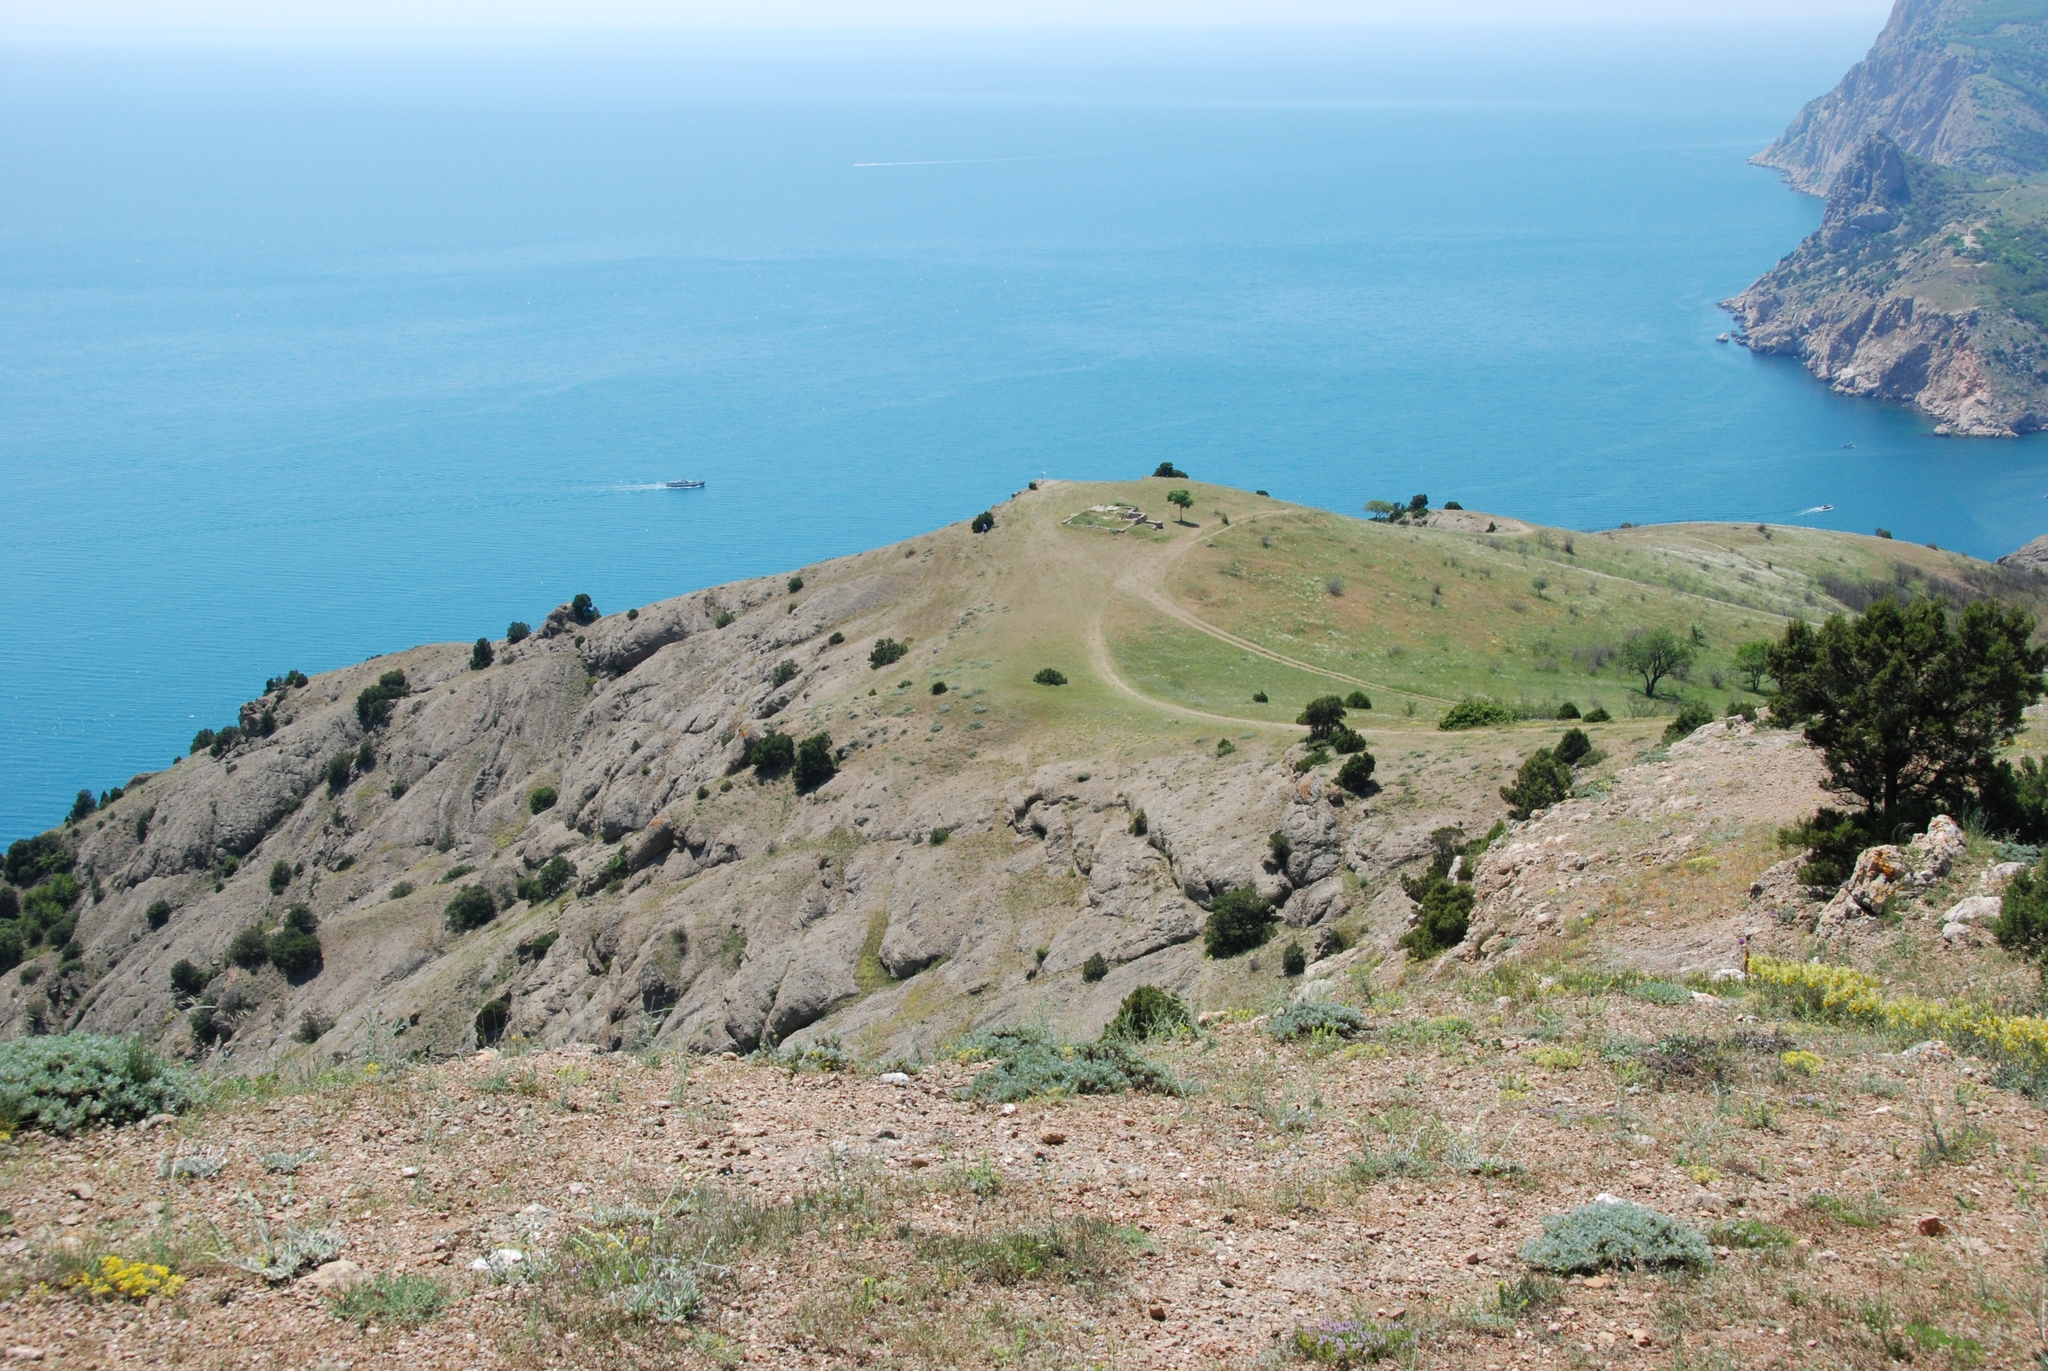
point(1143, 582)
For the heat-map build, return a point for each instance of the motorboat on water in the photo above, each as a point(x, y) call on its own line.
point(684, 485)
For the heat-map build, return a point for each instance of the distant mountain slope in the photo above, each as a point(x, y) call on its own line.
point(1960, 82)
point(1927, 282)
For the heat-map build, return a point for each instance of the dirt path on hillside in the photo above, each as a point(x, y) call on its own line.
point(1143, 582)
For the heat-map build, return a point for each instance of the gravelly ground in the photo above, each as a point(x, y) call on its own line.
point(1230, 1216)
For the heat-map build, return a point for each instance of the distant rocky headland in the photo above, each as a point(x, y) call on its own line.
point(1927, 281)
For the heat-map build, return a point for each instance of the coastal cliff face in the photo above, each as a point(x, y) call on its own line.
point(1951, 81)
point(1922, 285)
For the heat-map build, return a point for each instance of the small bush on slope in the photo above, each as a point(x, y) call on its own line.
point(1149, 1012)
point(1476, 712)
point(1317, 1016)
point(1542, 782)
point(1029, 1061)
point(1618, 1234)
point(1238, 922)
point(75, 1080)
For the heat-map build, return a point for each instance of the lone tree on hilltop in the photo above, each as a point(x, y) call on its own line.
point(1170, 472)
point(1654, 654)
point(1908, 709)
point(1324, 716)
point(1181, 500)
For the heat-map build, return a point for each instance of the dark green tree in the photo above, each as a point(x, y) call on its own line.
point(1572, 747)
point(82, 806)
point(1293, 960)
point(1170, 472)
point(814, 764)
point(472, 907)
point(1443, 920)
point(1908, 709)
point(1324, 716)
point(187, 980)
point(551, 880)
point(1542, 782)
point(1356, 773)
point(583, 609)
point(481, 655)
point(518, 631)
point(280, 876)
point(1692, 716)
point(1238, 922)
point(294, 950)
point(2022, 925)
point(1094, 969)
point(771, 754)
point(375, 703)
point(250, 949)
point(983, 522)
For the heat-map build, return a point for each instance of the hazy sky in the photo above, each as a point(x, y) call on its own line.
point(512, 17)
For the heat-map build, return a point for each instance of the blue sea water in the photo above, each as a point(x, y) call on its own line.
point(311, 353)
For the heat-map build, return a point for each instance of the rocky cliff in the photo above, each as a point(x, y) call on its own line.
point(1917, 288)
point(1956, 82)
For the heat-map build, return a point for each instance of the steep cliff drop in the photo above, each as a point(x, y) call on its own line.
point(1927, 281)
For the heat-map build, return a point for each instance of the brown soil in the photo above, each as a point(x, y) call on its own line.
point(1223, 1221)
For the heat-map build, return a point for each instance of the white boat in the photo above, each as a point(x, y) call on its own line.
point(684, 485)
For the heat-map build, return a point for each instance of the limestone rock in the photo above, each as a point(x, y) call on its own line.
point(336, 1277)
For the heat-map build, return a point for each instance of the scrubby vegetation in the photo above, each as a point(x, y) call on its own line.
point(71, 1082)
point(471, 908)
point(1030, 1062)
point(295, 948)
point(1355, 775)
point(1542, 781)
point(1691, 717)
point(1604, 1234)
point(1313, 1018)
point(771, 755)
point(886, 651)
point(1149, 1012)
point(375, 703)
point(1239, 921)
point(814, 763)
point(1476, 712)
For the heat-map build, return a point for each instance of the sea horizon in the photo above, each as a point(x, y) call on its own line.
point(312, 353)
